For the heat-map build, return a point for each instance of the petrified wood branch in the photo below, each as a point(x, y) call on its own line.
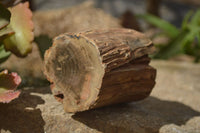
point(100, 67)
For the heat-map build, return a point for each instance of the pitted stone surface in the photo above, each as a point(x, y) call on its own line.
point(174, 106)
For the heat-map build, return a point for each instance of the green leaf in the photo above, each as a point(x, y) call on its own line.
point(168, 28)
point(43, 42)
point(196, 19)
point(3, 54)
point(187, 41)
point(186, 20)
point(198, 40)
point(171, 49)
point(8, 85)
point(21, 23)
point(5, 32)
point(197, 55)
point(4, 16)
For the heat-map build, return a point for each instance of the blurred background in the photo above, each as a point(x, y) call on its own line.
point(168, 27)
point(172, 9)
point(173, 26)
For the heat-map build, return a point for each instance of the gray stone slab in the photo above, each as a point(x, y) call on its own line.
point(174, 106)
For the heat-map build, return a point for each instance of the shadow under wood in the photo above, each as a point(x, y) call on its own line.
point(146, 116)
point(20, 115)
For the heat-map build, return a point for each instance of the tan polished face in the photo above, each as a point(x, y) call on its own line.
point(76, 68)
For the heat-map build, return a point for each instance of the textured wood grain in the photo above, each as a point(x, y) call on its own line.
point(99, 67)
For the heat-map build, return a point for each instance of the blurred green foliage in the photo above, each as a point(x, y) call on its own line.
point(3, 54)
point(185, 40)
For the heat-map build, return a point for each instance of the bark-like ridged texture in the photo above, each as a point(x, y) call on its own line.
point(100, 67)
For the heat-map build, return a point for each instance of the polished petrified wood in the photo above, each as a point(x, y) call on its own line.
point(99, 68)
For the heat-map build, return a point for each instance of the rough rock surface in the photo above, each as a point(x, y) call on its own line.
point(173, 107)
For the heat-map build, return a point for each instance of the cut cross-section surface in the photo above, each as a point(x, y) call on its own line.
point(100, 67)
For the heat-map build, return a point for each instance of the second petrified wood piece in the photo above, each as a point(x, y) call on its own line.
point(100, 67)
